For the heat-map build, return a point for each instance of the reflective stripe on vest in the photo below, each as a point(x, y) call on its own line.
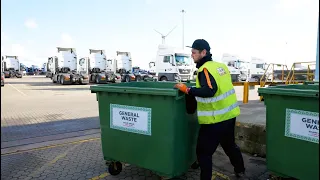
point(218, 112)
point(215, 99)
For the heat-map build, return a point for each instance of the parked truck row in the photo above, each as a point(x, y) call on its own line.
point(171, 64)
point(242, 70)
point(66, 68)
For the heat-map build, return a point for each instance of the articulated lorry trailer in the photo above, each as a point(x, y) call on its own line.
point(11, 65)
point(64, 68)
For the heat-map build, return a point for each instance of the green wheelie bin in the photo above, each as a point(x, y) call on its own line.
point(292, 127)
point(149, 125)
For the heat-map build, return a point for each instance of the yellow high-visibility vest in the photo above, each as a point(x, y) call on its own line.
point(223, 105)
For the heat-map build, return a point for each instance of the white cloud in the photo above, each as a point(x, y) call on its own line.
point(31, 24)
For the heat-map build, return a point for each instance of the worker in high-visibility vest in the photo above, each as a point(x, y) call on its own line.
point(217, 109)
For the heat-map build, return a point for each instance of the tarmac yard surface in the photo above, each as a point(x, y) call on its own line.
point(51, 131)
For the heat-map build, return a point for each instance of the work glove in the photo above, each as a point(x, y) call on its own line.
point(182, 87)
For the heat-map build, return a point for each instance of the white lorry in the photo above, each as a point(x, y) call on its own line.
point(2, 72)
point(123, 64)
point(173, 64)
point(50, 67)
point(257, 69)
point(97, 67)
point(64, 68)
point(244, 68)
point(152, 68)
point(11, 65)
point(231, 62)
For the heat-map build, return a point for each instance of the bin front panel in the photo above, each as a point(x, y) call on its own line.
point(164, 137)
point(293, 136)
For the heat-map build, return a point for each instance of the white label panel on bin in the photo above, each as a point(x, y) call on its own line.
point(303, 125)
point(130, 119)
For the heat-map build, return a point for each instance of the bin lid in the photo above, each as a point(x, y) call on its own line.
point(302, 90)
point(148, 88)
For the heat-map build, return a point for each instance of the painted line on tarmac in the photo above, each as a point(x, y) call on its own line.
point(17, 89)
point(51, 146)
point(101, 176)
point(216, 174)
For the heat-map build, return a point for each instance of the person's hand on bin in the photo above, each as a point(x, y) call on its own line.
point(182, 87)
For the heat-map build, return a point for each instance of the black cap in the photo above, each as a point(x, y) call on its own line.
point(200, 44)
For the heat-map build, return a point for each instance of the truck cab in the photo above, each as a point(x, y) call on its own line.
point(51, 66)
point(257, 69)
point(65, 67)
point(124, 66)
point(244, 68)
point(2, 72)
point(173, 64)
point(11, 65)
point(152, 68)
point(232, 63)
point(97, 64)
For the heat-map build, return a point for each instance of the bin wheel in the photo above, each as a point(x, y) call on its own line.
point(195, 165)
point(115, 168)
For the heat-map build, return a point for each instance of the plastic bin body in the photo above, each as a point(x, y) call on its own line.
point(167, 142)
point(292, 130)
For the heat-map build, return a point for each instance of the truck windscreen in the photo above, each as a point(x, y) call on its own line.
point(183, 60)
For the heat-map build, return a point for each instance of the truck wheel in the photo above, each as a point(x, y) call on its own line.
point(127, 79)
point(256, 78)
point(138, 78)
point(97, 80)
point(115, 168)
point(62, 80)
point(163, 78)
point(81, 81)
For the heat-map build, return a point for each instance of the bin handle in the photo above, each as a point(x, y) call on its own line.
point(180, 95)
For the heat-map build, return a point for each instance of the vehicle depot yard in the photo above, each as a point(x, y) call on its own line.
point(52, 131)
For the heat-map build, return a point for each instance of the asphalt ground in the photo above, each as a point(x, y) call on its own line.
point(51, 131)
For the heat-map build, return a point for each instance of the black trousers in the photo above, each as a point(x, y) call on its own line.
point(210, 136)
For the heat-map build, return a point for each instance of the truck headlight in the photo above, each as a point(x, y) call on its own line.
point(176, 77)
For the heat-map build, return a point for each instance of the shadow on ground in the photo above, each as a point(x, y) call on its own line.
point(23, 132)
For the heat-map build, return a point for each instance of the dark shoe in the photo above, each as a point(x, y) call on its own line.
point(239, 175)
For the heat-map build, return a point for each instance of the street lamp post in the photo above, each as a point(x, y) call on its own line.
point(183, 11)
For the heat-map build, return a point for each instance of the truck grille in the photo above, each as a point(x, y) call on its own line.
point(185, 77)
point(184, 71)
